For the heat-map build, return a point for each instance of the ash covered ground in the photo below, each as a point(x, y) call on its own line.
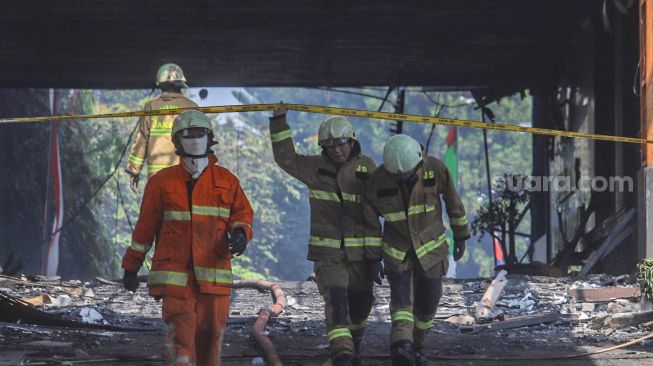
point(299, 336)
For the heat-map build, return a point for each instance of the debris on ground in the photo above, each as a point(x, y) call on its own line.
point(543, 318)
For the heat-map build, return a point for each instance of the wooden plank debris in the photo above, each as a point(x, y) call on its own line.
point(620, 232)
point(485, 307)
point(522, 321)
point(13, 310)
point(606, 294)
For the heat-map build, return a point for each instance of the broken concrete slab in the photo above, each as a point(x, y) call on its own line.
point(628, 319)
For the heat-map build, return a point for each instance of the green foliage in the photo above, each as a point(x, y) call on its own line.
point(503, 213)
point(281, 225)
point(645, 278)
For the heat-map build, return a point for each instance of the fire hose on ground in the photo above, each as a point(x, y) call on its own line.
point(264, 315)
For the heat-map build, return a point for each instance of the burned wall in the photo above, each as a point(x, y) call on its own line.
point(592, 93)
point(24, 165)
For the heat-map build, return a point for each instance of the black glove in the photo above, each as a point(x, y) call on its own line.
point(237, 241)
point(375, 268)
point(458, 249)
point(130, 280)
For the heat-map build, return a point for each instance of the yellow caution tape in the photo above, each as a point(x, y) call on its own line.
point(342, 112)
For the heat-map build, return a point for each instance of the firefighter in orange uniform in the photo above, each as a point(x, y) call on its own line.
point(199, 216)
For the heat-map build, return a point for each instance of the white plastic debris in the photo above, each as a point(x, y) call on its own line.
point(90, 315)
point(258, 361)
point(525, 303)
point(63, 300)
point(290, 300)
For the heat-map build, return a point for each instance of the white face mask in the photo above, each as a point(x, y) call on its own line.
point(195, 166)
point(196, 146)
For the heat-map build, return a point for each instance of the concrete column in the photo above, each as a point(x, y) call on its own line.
point(645, 212)
point(645, 175)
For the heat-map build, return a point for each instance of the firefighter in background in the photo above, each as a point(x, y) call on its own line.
point(406, 191)
point(152, 143)
point(335, 180)
point(199, 216)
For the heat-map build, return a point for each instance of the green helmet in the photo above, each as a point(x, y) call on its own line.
point(335, 130)
point(192, 124)
point(191, 119)
point(401, 154)
point(171, 73)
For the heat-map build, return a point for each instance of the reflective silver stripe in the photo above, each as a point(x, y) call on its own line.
point(167, 278)
point(182, 359)
point(215, 275)
point(323, 195)
point(355, 198)
point(138, 247)
point(354, 242)
point(458, 221)
point(176, 215)
point(211, 211)
point(280, 136)
point(338, 332)
point(430, 246)
point(402, 315)
point(394, 253)
point(324, 242)
point(394, 216)
point(423, 325)
point(372, 241)
point(170, 343)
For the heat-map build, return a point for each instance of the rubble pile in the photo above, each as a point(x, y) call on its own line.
point(538, 317)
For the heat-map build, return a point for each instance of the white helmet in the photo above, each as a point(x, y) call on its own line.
point(401, 154)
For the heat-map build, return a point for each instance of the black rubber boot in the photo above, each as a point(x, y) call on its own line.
point(357, 357)
point(402, 354)
point(420, 358)
point(343, 359)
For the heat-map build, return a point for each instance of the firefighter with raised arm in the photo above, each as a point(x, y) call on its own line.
point(336, 245)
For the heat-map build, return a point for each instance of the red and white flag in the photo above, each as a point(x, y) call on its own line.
point(51, 262)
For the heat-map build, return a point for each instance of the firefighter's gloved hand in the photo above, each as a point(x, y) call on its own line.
point(375, 268)
point(130, 280)
point(133, 181)
point(458, 249)
point(281, 110)
point(237, 241)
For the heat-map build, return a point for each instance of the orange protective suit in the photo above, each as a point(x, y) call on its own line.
point(191, 268)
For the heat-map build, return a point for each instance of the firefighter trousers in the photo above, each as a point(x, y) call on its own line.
point(348, 292)
point(196, 328)
point(414, 298)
